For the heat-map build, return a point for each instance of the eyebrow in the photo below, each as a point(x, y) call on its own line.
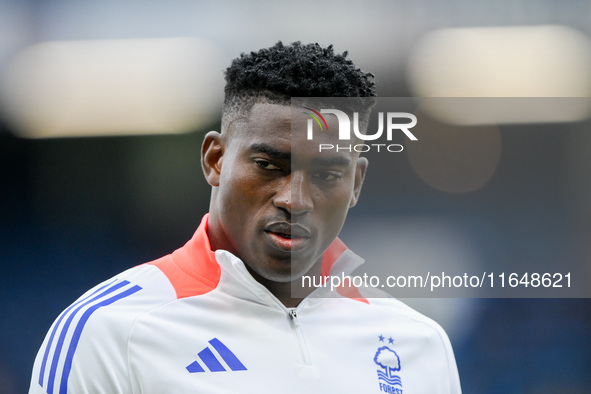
point(270, 151)
point(337, 161)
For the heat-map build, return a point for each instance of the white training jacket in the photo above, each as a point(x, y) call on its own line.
point(196, 321)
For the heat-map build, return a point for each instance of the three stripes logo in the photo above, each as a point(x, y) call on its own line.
point(65, 334)
point(212, 362)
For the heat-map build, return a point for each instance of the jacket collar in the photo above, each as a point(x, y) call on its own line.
point(194, 269)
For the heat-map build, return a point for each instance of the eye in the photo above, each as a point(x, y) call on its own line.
point(327, 176)
point(267, 165)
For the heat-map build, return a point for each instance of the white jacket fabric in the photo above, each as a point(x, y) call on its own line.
point(196, 321)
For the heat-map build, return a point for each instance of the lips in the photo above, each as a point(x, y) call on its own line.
point(288, 236)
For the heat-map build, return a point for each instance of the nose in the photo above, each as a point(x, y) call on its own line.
point(295, 195)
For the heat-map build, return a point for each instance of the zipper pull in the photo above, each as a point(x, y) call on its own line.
point(293, 314)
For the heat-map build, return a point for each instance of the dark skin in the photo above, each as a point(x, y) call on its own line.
point(277, 203)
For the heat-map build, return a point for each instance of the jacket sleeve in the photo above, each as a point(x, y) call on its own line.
point(85, 350)
point(454, 377)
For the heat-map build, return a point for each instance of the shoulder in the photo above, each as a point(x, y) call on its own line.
point(131, 293)
point(395, 306)
point(111, 308)
point(413, 321)
point(91, 334)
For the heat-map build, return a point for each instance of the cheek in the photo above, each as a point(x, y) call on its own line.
point(334, 210)
point(231, 193)
point(336, 198)
point(335, 206)
point(239, 192)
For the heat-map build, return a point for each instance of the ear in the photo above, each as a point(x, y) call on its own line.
point(212, 152)
point(360, 170)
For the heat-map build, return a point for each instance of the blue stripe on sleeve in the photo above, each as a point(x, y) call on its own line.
point(60, 342)
point(78, 332)
point(59, 320)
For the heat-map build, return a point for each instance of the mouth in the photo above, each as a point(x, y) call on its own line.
point(288, 237)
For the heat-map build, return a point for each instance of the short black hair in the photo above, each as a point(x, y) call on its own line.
point(276, 74)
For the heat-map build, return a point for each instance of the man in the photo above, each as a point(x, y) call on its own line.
point(220, 314)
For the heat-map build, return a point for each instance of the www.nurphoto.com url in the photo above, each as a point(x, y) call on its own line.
point(442, 280)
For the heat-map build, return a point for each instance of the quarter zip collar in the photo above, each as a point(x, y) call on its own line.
point(236, 279)
point(195, 269)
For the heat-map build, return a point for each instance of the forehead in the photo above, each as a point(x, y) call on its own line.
point(285, 127)
point(270, 120)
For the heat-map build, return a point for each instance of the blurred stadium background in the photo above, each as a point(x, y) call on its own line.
point(103, 106)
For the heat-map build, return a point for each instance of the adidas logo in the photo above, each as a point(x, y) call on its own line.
point(211, 361)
